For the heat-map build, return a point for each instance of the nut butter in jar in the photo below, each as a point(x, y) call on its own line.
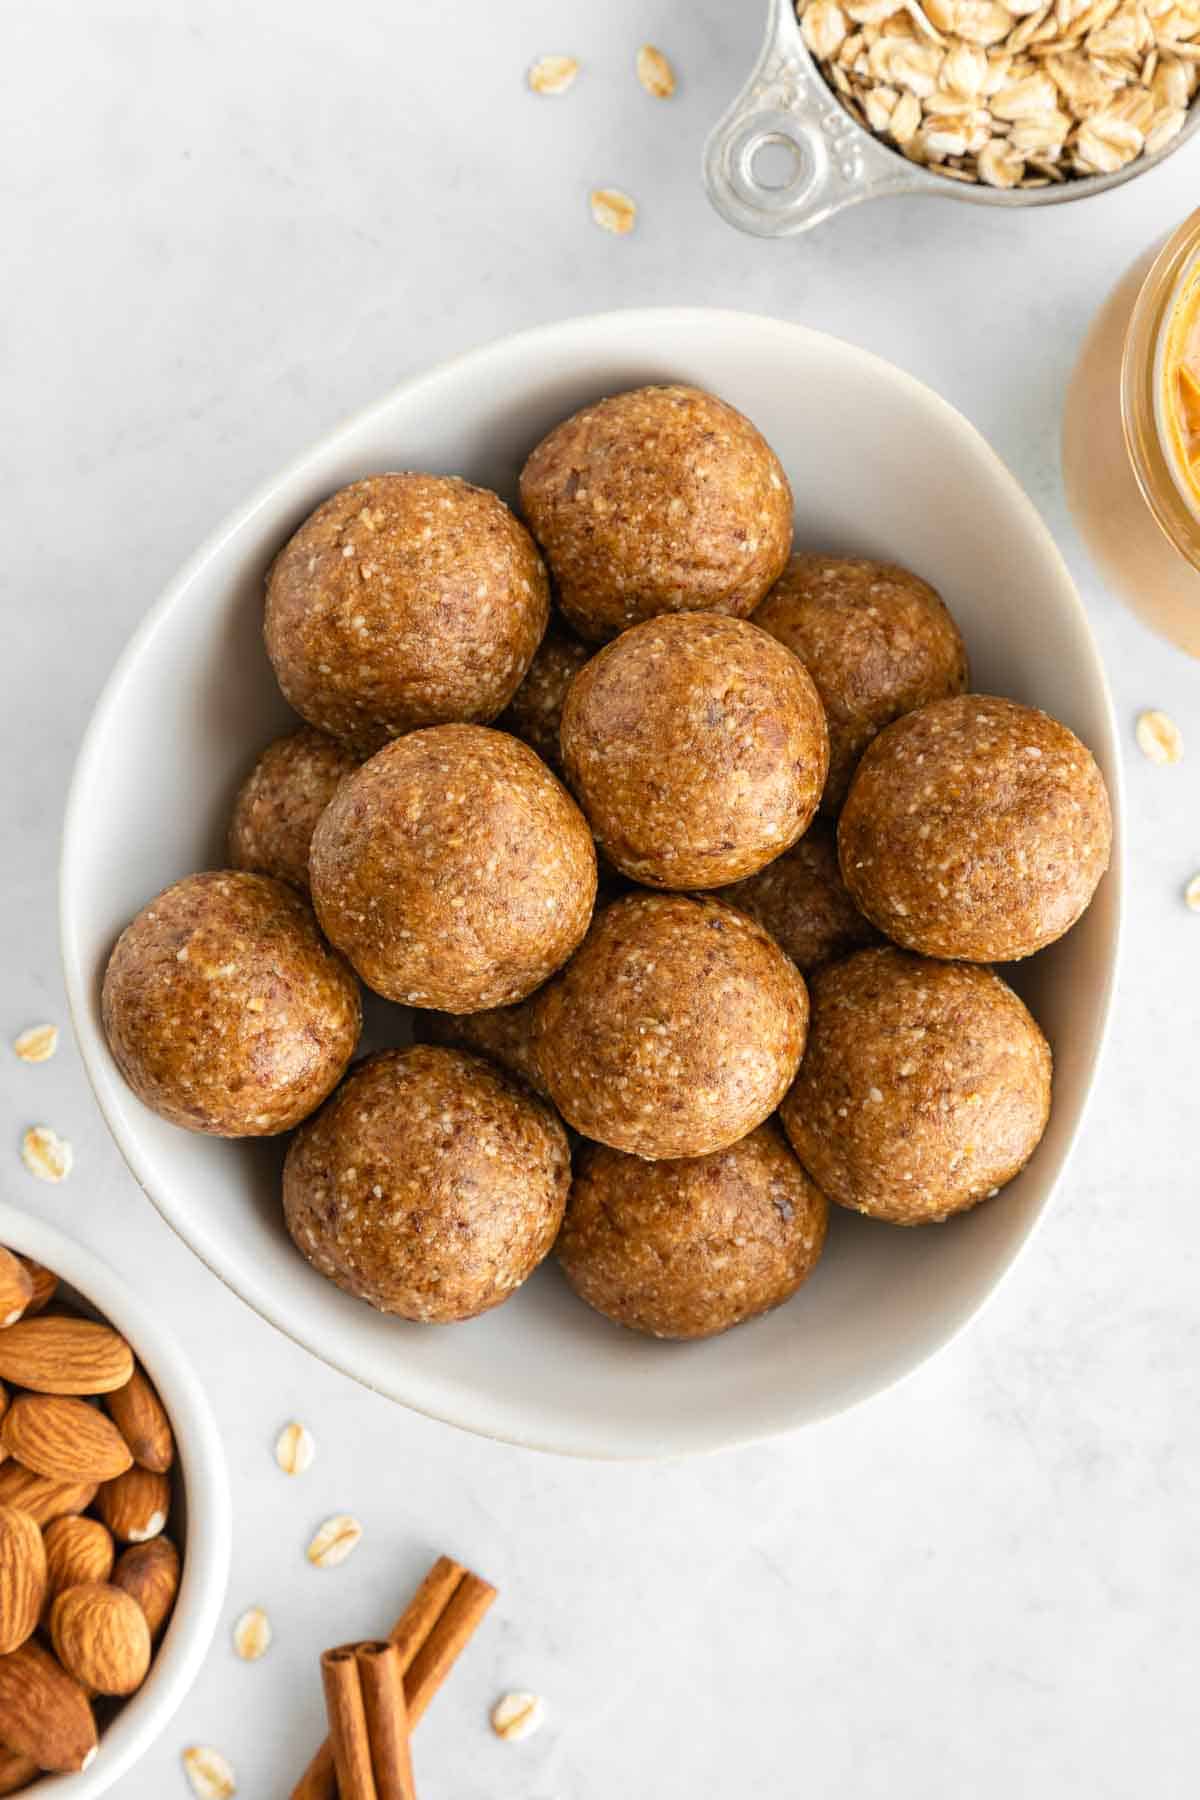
point(1131, 438)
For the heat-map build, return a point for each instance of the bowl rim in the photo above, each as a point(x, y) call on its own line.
point(200, 1459)
point(664, 320)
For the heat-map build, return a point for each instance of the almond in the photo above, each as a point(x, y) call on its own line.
point(22, 1577)
point(139, 1416)
point(150, 1572)
point(101, 1637)
point(135, 1505)
point(40, 1497)
point(16, 1288)
point(54, 1354)
point(65, 1439)
point(44, 1714)
point(76, 1550)
point(16, 1771)
point(45, 1285)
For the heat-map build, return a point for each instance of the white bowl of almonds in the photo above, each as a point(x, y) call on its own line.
point(114, 1518)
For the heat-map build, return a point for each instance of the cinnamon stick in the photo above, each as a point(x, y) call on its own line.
point(412, 1632)
point(382, 1682)
point(348, 1736)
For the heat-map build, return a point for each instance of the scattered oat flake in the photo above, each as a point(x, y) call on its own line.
point(1191, 893)
point(518, 1716)
point(209, 1773)
point(655, 72)
point(553, 74)
point(334, 1541)
point(1159, 738)
point(252, 1634)
point(38, 1044)
point(613, 211)
point(295, 1448)
point(45, 1154)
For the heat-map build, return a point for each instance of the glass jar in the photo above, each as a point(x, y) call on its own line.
point(1146, 376)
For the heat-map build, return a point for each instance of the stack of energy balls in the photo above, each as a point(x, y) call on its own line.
point(809, 840)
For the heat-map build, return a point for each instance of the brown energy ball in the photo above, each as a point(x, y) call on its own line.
point(225, 1009)
point(535, 710)
point(698, 749)
point(431, 1185)
point(674, 1030)
point(801, 899)
point(663, 499)
point(686, 1249)
point(877, 640)
point(503, 1033)
point(404, 600)
point(453, 870)
point(975, 828)
point(924, 1088)
point(280, 801)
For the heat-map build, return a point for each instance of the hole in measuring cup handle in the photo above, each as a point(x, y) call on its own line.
point(772, 144)
point(778, 171)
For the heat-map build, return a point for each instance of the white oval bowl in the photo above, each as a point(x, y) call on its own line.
point(881, 466)
point(202, 1488)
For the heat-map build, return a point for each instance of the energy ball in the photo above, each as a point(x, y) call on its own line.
point(663, 499)
point(453, 870)
point(674, 1030)
point(535, 710)
point(975, 828)
point(801, 899)
point(431, 1185)
point(688, 1248)
point(924, 1088)
point(697, 748)
point(877, 640)
point(503, 1033)
point(225, 1009)
point(404, 600)
point(280, 801)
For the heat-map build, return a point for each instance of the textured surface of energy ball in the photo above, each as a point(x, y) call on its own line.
point(877, 640)
point(975, 828)
point(924, 1088)
point(662, 499)
point(453, 870)
point(503, 1033)
point(675, 1029)
point(430, 1185)
point(404, 600)
point(225, 1009)
point(697, 748)
point(801, 899)
point(280, 801)
point(688, 1248)
point(535, 711)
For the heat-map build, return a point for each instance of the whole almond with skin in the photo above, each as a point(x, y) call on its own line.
point(77, 1550)
point(101, 1637)
point(22, 1577)
point(135, 1505)
point(60, 1354)
point(44, 1713)
point(41, 1497)
point(64, 1438)
point(16, 1771)
point(16, 1288)
point(140, 1417)
point(45, 1285)
point(150, 1572)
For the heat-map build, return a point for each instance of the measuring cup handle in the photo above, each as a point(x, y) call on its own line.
point(786, 103)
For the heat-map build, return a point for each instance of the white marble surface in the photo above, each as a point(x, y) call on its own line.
point(226, 225)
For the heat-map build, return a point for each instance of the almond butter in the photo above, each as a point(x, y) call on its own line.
point(77, 1550)
point(55, 1354)
point(41, 1497)
point(16, 1771)
point(16, 1288)
point(150, 1572)
point(135, 1505)
point(139, 1416)
point(63, 1438)
point(101, 1637)
point(45, 1285)
point(44, 1713)
point(22, 1577)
